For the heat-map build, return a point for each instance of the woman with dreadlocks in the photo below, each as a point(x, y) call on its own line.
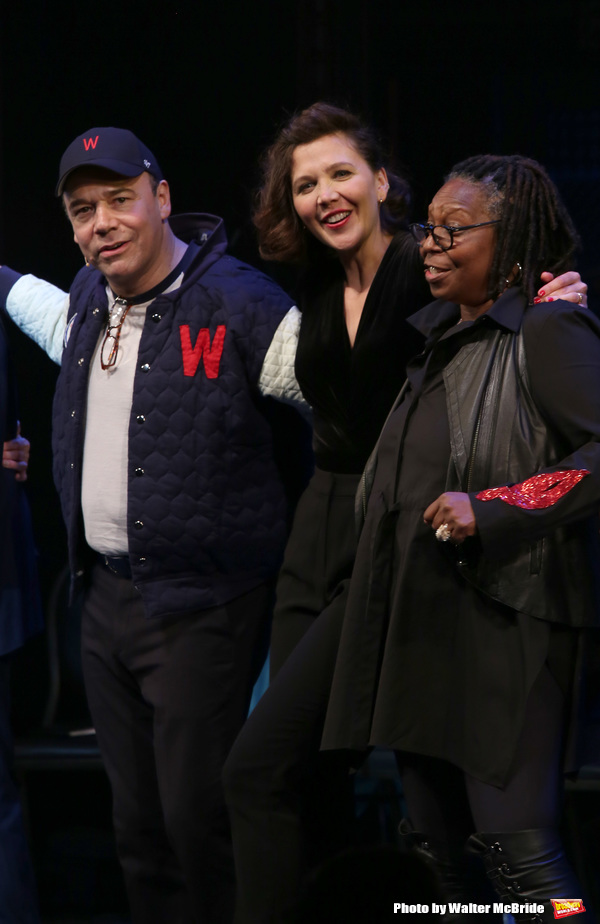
point(330, 204)
point(476, 581)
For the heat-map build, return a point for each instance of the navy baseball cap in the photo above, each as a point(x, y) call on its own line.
point(116, 149)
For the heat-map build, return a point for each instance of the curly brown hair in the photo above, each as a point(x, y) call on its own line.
point(281, 235)
point(536, 230)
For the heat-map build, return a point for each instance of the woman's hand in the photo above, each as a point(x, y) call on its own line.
point(454, 511)
point(15, 455)
point(569, 287)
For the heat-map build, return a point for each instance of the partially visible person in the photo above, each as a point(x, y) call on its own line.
point(20, 618)
point(15, 454)
point(474, 600)
point(331, 203)
point(176, 511)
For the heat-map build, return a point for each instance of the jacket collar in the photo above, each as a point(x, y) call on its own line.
point(199, 227)
point(203, 232)
point(507, 311)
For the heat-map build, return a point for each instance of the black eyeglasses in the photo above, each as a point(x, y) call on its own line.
point(443, 235)
point(110, 344)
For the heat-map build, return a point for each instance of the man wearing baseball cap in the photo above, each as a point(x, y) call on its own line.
point(174, 505)
point(115, 149)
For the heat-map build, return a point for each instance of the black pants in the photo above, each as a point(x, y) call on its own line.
point(447, 804)
point(319, 556)
point(168, 697)
point(273, 762)
point(18, 904)
point(276, 751)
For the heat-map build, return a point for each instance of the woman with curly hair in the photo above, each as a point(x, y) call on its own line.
point(328, 203)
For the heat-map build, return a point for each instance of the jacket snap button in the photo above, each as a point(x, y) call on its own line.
point(80, 361)
point(138, 524)
point(156, 317)
point(139, 471)
point(141, 561)
point(73, 413)
point(145, 367)
point(140, 418)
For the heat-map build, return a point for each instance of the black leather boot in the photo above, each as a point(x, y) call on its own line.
point(528, 869)
point(461, 882)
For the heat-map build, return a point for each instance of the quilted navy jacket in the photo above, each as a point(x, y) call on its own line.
point(206, 505)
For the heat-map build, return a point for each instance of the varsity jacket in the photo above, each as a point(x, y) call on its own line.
point(206, 506)
point(523, 398)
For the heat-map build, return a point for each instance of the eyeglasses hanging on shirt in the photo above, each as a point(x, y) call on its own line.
point(110, 344)
point(119, 308)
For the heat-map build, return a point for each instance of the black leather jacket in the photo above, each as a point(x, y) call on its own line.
point(523, 396)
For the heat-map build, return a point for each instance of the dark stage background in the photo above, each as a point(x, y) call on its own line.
point(205, 85)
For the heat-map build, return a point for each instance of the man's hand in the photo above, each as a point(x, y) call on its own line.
point(15, 455)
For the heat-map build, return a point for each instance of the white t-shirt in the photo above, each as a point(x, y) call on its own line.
point(105, 448)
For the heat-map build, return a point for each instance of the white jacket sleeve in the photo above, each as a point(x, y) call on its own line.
point(40, 310)
point(277, 376)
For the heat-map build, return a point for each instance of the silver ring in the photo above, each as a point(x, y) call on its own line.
point(580, 297)
point(443, 533)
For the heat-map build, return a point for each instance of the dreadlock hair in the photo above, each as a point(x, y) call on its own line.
point(281, 235)
point(536, 230)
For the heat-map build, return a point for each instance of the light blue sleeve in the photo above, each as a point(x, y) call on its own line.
point(40, 310)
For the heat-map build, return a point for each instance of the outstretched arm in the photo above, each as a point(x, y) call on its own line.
point(278, 376)
point(37, 307)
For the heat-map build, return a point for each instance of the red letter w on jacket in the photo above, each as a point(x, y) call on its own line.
point(211, 355)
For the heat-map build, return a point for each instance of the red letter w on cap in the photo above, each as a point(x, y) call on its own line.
point(210, 354)
point(90, 143)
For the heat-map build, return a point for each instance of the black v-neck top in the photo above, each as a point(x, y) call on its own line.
point(351, 389)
